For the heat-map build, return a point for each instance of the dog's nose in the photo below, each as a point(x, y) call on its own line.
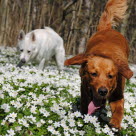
point(23, 60)
point(102, 91)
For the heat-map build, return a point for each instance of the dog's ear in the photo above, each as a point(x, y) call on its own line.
point(77, 60)
point(124, 69)
point(21, 35)
point(33, 38)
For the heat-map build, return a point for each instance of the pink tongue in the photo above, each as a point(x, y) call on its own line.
point(92, 108)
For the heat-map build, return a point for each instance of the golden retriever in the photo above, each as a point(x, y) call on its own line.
point(104, 65)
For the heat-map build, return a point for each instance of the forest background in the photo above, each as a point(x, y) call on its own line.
point(74, 20)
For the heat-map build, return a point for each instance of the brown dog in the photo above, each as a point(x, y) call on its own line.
point(104, 65)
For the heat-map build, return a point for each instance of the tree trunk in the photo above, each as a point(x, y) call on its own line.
point(74, 20)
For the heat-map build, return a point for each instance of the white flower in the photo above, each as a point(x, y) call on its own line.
point(77, 114)
point(73, 131)
point(18, 128)
point(50, 121)
point(13, 94)
point(13, 115)
point(63, 123)
point(50, 128)
point(42, 110)
point(28, 104)
point(115, 130)
point(96, 124)
point(5, 107)
point(23, 122)
point(26, 124)
point(55, 108)
point(109, 114)
point(42, 121)
point(125, 125)
point(66, 133)
point(33, 109)
point(106, 129)
point(54, 132)
point(31, 117)
point(62, 113)
point(56, 124)
point(39, 124)
point(131, 121)
point(11, 132)
point(110, 133)
point(82, 133)
point(2, 94)
point(12, 120)
point(16, 104)
point(79, 124)
point(20, 121)
point(98, 130)
point(66, 128)
point(71, 122)
point(3, 122)
point(87, 118)
point(46, 114)
point(12, 102)
point(134, 125)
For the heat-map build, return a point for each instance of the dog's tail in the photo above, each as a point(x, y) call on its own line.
point(113, 14)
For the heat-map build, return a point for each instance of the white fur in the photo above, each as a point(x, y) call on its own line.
point(43, 44)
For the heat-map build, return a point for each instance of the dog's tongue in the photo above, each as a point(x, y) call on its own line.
point(92, 108)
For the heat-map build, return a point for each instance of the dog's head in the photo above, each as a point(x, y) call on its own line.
point(26, 46)
point(102, 72)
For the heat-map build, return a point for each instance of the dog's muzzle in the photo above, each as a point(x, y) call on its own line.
point(102, 91)
point(21, 63)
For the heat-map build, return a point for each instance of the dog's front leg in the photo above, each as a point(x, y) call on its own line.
point(117, 108)
point(42, 64)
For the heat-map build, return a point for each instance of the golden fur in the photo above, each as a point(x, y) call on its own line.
point(104, 64)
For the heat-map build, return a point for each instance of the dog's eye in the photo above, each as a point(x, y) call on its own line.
point(28, 51)
point(110, 76)
point(94, 74)
point(21, 50)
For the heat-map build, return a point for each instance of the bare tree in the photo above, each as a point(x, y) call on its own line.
point(74, 20)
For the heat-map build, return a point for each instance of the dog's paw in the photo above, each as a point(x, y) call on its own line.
point(114, 123)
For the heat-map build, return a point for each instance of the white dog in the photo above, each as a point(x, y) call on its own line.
point(41, 45)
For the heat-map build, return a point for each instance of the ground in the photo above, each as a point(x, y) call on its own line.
point(40, 103)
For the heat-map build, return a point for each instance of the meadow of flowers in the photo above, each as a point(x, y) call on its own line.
point(40, 103)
